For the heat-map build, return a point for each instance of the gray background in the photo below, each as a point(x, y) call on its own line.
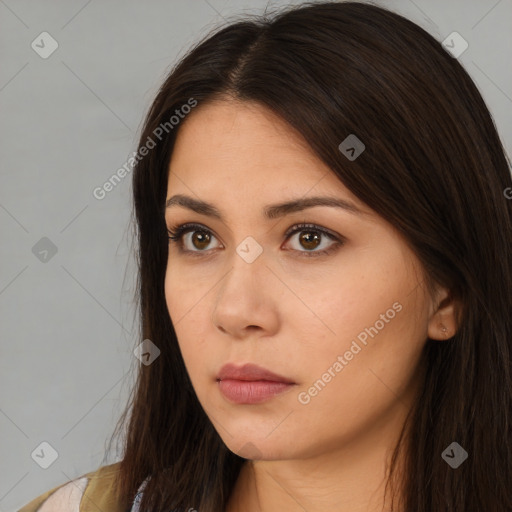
point(68, 122)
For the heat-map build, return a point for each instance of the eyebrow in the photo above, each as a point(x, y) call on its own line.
point(270, 212)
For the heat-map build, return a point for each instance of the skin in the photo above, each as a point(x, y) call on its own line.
point(294, 315)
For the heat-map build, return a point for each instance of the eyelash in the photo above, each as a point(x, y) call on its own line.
point(176, 234)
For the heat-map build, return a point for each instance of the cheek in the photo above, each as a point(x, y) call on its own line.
point(373, 316)
point(373, 376)
point(183, 294)
point(186, 303)
point(177, 297)
point(339, 305)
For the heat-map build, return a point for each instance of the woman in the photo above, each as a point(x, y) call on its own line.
point(324, 236)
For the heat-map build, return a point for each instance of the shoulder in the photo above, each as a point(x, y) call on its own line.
point(90, 492)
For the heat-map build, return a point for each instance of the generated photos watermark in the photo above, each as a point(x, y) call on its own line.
point(304, 397)
point(163, 128)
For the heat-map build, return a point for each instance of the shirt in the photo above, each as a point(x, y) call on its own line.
point(88, 493)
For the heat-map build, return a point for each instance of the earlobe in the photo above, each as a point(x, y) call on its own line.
point(442, 324)
point(440, 332)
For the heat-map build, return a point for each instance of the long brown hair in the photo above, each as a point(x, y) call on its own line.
point(434, 167)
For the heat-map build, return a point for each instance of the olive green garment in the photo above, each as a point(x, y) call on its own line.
point(92, 492)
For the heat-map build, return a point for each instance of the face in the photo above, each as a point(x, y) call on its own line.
point(337, 307)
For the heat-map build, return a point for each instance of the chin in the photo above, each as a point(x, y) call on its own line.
point(253, 448)
point(252, 451)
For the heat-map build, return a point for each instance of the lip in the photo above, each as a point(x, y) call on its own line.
point(250, 384)
point(250, 372)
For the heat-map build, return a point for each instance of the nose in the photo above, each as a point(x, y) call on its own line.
point(246, 300)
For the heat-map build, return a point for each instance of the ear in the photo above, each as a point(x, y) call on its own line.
point(442, 323)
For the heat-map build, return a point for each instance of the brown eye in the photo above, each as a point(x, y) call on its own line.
point(312, 240)
point(309, 240)
point(200, 239)
point(191, 238)
point(195, 240)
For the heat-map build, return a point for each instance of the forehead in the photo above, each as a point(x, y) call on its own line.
point(242, 144)
point(239, 119)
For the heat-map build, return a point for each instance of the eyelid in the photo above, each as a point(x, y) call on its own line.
point(303, 226)
point(337, 240)
point(177, 232)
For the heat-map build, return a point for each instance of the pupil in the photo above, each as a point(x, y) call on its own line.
point(311, 240)
point(202, 238)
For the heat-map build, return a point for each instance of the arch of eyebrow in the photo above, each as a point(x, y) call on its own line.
point(271, 211)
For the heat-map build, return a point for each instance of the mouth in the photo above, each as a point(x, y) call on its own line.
point(250, 384)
